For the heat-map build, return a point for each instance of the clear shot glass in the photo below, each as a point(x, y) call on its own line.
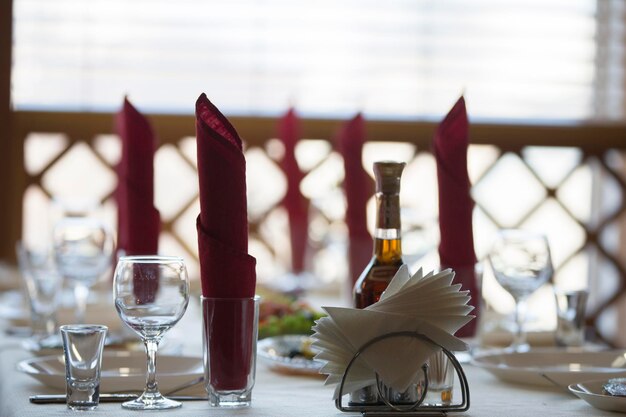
point(440, 380)
point(570, 317)
point(230, 335)
point(82, 349)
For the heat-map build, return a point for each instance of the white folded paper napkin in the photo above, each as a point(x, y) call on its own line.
point(429, 305)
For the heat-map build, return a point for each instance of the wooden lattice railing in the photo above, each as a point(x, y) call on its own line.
point(593, 156)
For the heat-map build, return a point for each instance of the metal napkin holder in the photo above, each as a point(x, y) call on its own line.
point(412, 409)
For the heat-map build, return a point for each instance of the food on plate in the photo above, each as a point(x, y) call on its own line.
point(615, 387)
point(280, 314)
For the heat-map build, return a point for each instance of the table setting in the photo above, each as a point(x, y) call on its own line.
point(237, 348)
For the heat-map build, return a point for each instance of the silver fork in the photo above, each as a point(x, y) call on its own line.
point(556, 384)
point(186, 385)
point(122, 396)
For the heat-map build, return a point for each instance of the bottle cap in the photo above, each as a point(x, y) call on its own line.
point(388, 175)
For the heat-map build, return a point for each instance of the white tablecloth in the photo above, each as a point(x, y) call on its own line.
point(278, 395)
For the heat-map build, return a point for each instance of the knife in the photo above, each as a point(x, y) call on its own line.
point(106, 398)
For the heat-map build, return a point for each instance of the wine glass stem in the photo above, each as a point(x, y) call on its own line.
point(51, 324)
point(520, 315)
point(38, 323)
point(151, 350)
point(81, 292)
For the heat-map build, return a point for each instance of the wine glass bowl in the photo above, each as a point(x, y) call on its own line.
point(151, 294)
point(83, 247)
point(521, 263)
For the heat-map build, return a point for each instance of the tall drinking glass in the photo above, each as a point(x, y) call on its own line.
point(521, 263)
point(151, 294)
point(42, 284)
point(83, 247)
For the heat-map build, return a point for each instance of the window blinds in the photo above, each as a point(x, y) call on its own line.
point(514, 59)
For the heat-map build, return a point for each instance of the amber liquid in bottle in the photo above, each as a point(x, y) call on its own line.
point(387, 257)
point(379, 272)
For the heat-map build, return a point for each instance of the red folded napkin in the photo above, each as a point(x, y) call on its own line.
point(358, 187)
point(226, 268)
point(139, 223)
point(227, 271)
point(456, 248)
point(295, 203)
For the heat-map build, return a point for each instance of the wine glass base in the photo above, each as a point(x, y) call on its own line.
point(151, 402)
point(518, 348)
point(295, 283)
point(43, 344)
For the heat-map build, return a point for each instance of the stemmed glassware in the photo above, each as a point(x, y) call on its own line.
point(521, 263)
point(83, 247)
point(151, 294)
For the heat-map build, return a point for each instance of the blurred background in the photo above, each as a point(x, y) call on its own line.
point(544, 82)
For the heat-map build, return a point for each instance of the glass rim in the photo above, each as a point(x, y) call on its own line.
point(83, 327)
point(255, 297)
point(150, 258)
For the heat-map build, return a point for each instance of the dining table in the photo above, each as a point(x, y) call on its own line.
point(278, 394)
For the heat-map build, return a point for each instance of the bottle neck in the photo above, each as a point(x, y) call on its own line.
point(387, 211)
point(388, 251)
point(387, 239)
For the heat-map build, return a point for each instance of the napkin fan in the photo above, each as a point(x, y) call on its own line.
point(388, 343)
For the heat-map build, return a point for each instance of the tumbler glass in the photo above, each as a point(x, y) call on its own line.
point(82, 349)
point(570, 317)
point(230, 333)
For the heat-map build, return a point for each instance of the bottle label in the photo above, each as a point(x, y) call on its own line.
point(387, 234)
point(383, 273)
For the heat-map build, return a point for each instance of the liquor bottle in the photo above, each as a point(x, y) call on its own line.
point(387, 258)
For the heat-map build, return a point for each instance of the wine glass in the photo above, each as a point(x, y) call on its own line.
point(521, 263)
point(82, 250)
point(151, 294)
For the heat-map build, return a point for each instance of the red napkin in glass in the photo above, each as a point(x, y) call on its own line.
point(294, 202)
point(226, 268)
point(456, 248)
point(358, 187)
point(139, 223)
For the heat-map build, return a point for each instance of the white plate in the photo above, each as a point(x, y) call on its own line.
point(278, 354)
point(53, 345)
point(551, 366)
point(121, 371)
point(592, 392)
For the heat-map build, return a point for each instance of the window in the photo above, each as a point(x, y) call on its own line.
point(527, 59)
